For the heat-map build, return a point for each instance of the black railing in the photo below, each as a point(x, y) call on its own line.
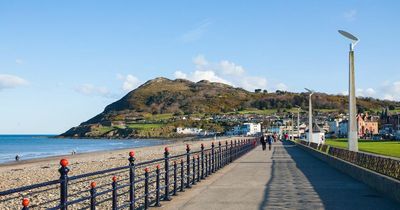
point(132, 186)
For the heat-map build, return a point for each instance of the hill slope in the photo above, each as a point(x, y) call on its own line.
point(178, 97)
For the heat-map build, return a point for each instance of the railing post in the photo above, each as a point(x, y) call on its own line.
point(25, 204)
point(114, 193)
point(235, 150)
point(188, 166)
point(198, 168)
point(93, 196)
point(175, 178)
point(212, 158)
point(194, 170)
point(202, 161)
point(182, 176)
point(206, 160)
point(157, 204)
point(231, 152)
point(132, 180)
point(166, 178)
point(146, 188)
point(63, 184)
point(226, 152)
point(219, 155)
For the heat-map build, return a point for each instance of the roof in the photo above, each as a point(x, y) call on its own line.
point(316, 129)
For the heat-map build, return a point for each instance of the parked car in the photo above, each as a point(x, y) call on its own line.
point(376, 137)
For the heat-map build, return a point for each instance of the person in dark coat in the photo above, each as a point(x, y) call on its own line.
point(263, 142)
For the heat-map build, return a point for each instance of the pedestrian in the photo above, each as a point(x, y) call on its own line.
point(269, 140)
point(17, 158)
point(263, 142)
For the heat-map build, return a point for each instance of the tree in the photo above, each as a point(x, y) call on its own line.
point(257, 90)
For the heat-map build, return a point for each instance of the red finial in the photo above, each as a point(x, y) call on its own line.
point(187, 146)
point(166, 149)
point(114, 178)
point(146, 170)
point(212, 143)
point(181, 160)
point(202, 144)
point(158, 166)
point(64, 162)
point(25, 202)
point(132, 153)
point(93, 184)
point(174, 161)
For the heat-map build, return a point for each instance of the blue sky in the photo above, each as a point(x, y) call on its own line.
point(61, 63)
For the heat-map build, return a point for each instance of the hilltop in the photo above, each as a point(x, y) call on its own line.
point(160, 99)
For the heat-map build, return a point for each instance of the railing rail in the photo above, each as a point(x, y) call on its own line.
point(137, 185)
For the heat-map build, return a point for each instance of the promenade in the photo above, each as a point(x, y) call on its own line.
point(284, 178)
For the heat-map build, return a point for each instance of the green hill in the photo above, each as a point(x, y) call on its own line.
point(160, 99)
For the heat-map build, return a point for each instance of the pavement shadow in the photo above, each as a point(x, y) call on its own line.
point(301, 181)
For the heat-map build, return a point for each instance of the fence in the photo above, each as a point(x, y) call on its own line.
point(136, 185)
point(383, 165)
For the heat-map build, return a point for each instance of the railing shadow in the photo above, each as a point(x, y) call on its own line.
point(300, 181)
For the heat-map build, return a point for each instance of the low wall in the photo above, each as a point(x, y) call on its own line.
point(357, 166)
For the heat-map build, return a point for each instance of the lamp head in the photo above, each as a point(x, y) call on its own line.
point(354, 40)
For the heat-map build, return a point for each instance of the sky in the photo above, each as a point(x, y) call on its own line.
point(62, 62)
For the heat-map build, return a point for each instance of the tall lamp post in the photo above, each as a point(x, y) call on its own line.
point(352, 129)
point(310, 124)
point(298, 121)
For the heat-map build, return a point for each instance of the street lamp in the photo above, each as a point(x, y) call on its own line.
point(310, 124)
point(298, 121)
point(352, 129)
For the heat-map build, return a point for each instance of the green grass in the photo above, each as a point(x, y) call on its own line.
point(388, 148)
point(143, 126)
point(156, 117)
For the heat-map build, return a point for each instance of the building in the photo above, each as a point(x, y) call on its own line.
point(247, 129)
point(366, 125)
point(189, 131)
point(318, 134)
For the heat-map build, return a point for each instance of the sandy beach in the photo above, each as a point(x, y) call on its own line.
point(45, 169)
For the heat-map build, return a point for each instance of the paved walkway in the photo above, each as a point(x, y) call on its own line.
point(284, 178)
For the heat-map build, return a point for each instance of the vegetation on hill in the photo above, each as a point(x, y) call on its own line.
point(159, 100)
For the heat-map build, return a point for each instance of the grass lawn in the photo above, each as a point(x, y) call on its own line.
point(388, 148)
point(143, 126)
point(154, 117)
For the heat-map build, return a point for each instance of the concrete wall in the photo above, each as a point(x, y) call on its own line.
point(379, 182)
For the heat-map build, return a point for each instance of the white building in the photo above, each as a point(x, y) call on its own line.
point(318, 134)
point(247, 129)
point(189, 131)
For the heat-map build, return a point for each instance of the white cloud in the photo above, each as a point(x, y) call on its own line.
point(200, 61)
point(196, 33)
point(223, 71)
point(180, 75)
point(129, 82)
point(282, 86)
point(207, 75)
point(89, 89)
point(11, 81)
point(350, 15)
point(391, 90)
point(230, 68)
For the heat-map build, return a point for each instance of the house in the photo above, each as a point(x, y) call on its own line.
point(188, 131)
point(343, 128)
point(318, 134)
point(247, 129)
point(366, 125)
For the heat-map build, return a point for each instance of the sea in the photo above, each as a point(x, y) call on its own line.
point(39, 146)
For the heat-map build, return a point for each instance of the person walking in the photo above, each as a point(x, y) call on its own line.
point(269, 141)
point(263, 142)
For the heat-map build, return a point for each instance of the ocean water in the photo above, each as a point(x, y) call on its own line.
point(37, 146)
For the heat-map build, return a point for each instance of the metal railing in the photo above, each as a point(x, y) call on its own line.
point(137, 185)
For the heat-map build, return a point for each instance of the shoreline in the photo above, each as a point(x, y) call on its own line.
point(27, 172)
point(48, 158)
